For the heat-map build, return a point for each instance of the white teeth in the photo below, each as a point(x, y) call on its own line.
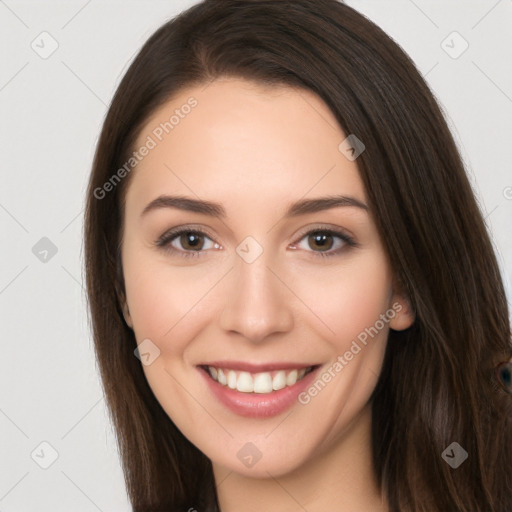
point(221, 378)
point(279, 381)
point(291, 378)
point(262, 382)
point(245, 383)
point(231, 379)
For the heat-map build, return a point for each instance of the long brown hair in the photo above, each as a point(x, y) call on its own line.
point(436, 386)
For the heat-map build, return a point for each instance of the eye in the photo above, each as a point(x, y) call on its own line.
point(322, 241)
point(189, 242)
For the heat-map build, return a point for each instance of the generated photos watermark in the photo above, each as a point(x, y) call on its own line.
point(151, 142)
point(343, 360)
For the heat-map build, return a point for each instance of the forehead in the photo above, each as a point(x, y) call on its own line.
point(237, 141)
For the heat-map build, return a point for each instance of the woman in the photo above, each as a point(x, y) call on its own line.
point(294, 299)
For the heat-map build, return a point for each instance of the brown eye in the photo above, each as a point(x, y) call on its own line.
point(191, 240)
point(319, 240)
point(326, 242)
point(186, 242)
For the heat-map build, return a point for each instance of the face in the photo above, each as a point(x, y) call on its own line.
point(264, 313)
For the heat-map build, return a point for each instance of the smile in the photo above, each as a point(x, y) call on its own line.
point(256, 390)
point(261, 382)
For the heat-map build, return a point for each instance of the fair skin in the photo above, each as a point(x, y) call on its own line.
point(254, 151)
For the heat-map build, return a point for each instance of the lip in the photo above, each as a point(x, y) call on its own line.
point(255, 405)
point(244, 366)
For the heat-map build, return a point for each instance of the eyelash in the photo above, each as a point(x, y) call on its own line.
point(165, 240)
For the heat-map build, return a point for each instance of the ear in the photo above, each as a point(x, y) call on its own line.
point(120, 293)
point(126, 314)
point(405, 315)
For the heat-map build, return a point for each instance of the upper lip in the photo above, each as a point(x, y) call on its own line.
point(257, 367)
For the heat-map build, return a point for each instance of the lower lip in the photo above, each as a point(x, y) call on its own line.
point(258, 405)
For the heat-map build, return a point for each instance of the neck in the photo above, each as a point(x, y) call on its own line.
point(339, 477)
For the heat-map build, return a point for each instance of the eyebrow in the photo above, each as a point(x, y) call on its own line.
point(301, 207)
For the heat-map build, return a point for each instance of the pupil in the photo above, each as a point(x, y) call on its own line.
point(506, 376)
point(320, 240)
point(192, 240)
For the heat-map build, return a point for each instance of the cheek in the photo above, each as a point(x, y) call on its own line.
point(349, 299)
point(166, 303)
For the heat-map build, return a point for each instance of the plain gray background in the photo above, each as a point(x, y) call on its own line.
point(51, 111)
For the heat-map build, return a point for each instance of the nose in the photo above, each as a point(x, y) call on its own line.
point(257, 302)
